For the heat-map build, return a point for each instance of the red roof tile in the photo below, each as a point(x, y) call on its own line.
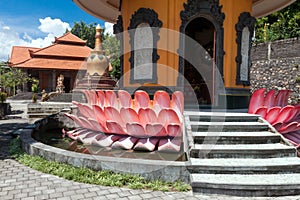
point(64, 50)
point(70, 38)
point(43, 63)
point(20, 54)
point(67, 52)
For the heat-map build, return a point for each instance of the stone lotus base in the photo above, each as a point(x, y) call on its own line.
point(150, 169)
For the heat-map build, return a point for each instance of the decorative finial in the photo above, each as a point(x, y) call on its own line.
point(98, 39)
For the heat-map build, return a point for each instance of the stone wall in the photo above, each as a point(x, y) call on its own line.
point(276, 65)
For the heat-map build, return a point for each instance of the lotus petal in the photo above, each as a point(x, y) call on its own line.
point(295, 134)
point(156, 130)
point(262, 111)
point(177, 102)
point(135, 129)
point(75, 119)
point(73, 134)
point(282, 98)
point(146, 144)
point(111, 99)
point(125, 99)
point(293, 143)
point(285, 114)
point(100, 98)
point(174, 130)
point(162, 99)
point(97, 126)
point(277, 125)
point(84, 110)
point(86, 123)
point(169, 145)
point(113, 114)
point(129, 115)
point(125, 143)
point(91, 96)
point(82, 135)
point(168, 116)
point(88, 138)
point(294, 139)
point(114, 127)
point(293, 126)
point(272, 114)
point(294, 114)
point(105, 140)
point(100, 116)
point(257, 100)
point(270, 99)
point(147, 116)
point(142, 100)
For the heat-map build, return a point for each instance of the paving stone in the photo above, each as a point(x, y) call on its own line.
point(37, 185)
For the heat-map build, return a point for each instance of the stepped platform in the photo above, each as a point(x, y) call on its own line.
point(239, 154)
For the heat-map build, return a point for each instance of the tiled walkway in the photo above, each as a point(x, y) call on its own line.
point(20, 182)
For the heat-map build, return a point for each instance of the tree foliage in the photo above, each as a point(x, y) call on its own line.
point(85, 32)
point(12, 78)
point(279, 25)
point(110, 43)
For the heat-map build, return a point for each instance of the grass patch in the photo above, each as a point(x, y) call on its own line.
point(85, 175)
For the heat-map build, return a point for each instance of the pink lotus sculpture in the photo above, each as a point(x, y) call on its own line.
point(273, 108)
point(119, 121)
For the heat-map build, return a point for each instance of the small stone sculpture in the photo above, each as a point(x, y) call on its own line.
point(60, 84)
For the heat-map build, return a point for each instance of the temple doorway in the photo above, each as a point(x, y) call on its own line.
point(199, 51)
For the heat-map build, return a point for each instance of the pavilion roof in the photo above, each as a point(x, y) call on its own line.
point(67, 52)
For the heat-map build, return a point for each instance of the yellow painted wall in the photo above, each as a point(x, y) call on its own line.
point(232, 10)
point(169, 13)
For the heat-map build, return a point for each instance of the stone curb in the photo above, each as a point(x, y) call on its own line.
point(150, 169)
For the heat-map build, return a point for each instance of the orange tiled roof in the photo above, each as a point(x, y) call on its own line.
point(63, 50)
point(21, 54)
point(42, 63)
point(67, 52)
point(70, 38)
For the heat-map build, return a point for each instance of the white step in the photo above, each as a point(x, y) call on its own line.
point(221, 116)
point(235, 137)
point(247, 185)
point(242, 151)
point(245, 166)
point(228, 126)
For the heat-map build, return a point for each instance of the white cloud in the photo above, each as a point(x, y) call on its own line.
point(6, 28)
point(109, 28)
point(9, 37)
point(54, 26)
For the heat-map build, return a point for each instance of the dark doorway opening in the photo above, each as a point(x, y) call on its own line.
point(198, 63)
point(67, 84)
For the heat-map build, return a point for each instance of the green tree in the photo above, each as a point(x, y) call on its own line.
point(85, 32)
point(11, 78)
point(111, 46)
point(279, 25)
point(110, 43)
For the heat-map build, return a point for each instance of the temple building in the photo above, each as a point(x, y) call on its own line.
point(65, 57)
point(201, 47)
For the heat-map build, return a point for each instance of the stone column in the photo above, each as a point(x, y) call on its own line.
point(54, 80)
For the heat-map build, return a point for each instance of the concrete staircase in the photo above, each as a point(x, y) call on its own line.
point(237, 154)
point(44, 109)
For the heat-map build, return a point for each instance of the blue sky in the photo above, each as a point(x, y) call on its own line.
point(37, 22)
